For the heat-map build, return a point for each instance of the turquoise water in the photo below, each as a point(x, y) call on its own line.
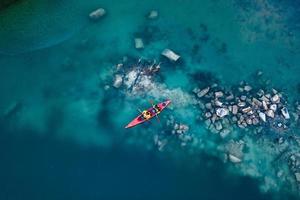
point(67, 137)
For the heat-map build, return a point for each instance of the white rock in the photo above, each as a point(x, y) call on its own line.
point(219, 94)
point(218, 103)
point(270, 113)
point(234, 109)
point(273, 107)
point(184, 127)
point(255, 121)
point(234, 159)
point(208, 114)
point(95, 15)
point(249, 121)
point(256, 101)
point(247, 88)
point(262, 116)
point(246, 110)
point(265, 106)
point(153, 14)
point(221, 112)
point(203, 92)
point(274, 91)
point(139, 44)
point(171, 55)
point(285, 113)
point(241, 104)
point(118, 81)
point(275, 98)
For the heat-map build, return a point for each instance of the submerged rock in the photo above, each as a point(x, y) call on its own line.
point(171, 55)
point(138, 43)
point(97, 14)
point(203, 92)
point(153, 14)
point(118, 81)
point(234, 159)
point(297, 176)
point(285, 113)
point(13, 109)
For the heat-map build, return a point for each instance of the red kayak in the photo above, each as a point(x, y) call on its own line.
point(149, 113)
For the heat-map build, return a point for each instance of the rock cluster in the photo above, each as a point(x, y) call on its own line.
point(135, 77)
point(243, 107)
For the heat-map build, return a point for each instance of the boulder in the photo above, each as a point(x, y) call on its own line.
point(218, 126)
point(275, 98)
point(264, 104)
point(256, 102)
point(224, 133)
point(249, 121)
point(219, 94)
point(97, 14)
point(153, 14)
point(243, 98)
point(234, 159)
point(230, 97)
point(285, 113)
point(171, 55)
point(241, 104)
point(262, 116)
point(270, 113)
point(297, 175)
point(222, 112)
point(139, 44)
point(203, 92)
point(273, 107)
point(118, 81)
point(234, 109)
point(247, 88)
point(246, 110)
point(260, 93)
point(218, 103)
point(208, 114)
point(208, 106)
point(255, 121)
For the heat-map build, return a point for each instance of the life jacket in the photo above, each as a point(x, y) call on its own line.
point(146, 114)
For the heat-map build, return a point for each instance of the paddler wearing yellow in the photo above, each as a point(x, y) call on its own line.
point(146, 114)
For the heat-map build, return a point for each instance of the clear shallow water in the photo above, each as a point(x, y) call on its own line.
point(69, 133)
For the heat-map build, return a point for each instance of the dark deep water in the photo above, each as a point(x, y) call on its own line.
point(43, 168)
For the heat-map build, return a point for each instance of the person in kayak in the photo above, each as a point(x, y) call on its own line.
point(157, 109)
point(146, 114)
